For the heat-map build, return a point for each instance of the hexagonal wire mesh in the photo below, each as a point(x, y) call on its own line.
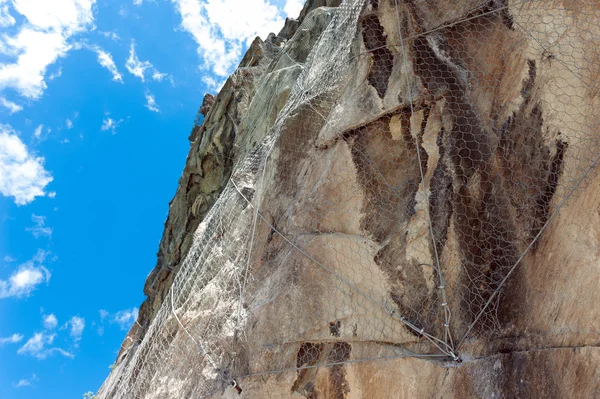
point(409, 169)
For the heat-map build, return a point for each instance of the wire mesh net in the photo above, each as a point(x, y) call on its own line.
point(398, 162)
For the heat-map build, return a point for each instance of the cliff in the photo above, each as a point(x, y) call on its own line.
point(387, 199)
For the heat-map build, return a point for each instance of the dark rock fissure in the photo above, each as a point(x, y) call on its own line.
point(545, 197)
point(334, 328)
point(337, 373)
point(310, 355)
point(483, 194)
point(440, 198)
point(375, 41)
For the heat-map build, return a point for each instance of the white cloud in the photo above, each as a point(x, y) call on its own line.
point(41, 255)
point(35, 50)
point(69, 123)
point(158, 76)
point(40, 229)
point(210, 81)
point(109, 123)
point(110, 35)
point(221, 28)
point(213, 83)
point(38, 347)
point(26, 278)
point(38, 131)
point(124, 318)
point(9, 259)
point(56, 74)
point(25, 382)
point(22, 174)
point(12, 107)
point(151, 102)
point(137, 2)
point(243, 20)
point(59, 15)
point(50, 321)
point(52, 194)
point(39, 134)
point(292, 8)
point(24, 281)
point(35, 345)
point(105, 59)
point(40, 41)
point(6, 19)
point(77, 325)
point(134, 65)
point(13, 339)
point(139, 68)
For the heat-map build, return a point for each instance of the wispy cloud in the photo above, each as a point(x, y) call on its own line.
point(40, 41)
point(158, 76)
point(40, 347)
point(50, 321)
point(151, 102)
point(69, 123)
point(38, 131)
point(56, 74)
point(110, 35)
point(28, 276)
point(42, 344)
point(22, 174)
point(76, 325)
point(142, 68)
point(26, 382)
point(111, 124)
point(134, 65)
point(124, 318)
point(6, 19)
point(105, 59)
point(13, 339)
point(40, 229)
point(12, 107)
point(213, 83)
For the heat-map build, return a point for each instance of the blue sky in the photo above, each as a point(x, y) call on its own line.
point(97, 99)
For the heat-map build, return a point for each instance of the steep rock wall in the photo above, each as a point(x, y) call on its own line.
point(389, 177)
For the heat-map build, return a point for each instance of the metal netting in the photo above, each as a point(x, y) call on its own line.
point(399, 162)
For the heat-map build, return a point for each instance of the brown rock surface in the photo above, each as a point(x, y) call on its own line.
point(388, 199)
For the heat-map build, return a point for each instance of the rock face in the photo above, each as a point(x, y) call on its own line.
point(387, 199)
